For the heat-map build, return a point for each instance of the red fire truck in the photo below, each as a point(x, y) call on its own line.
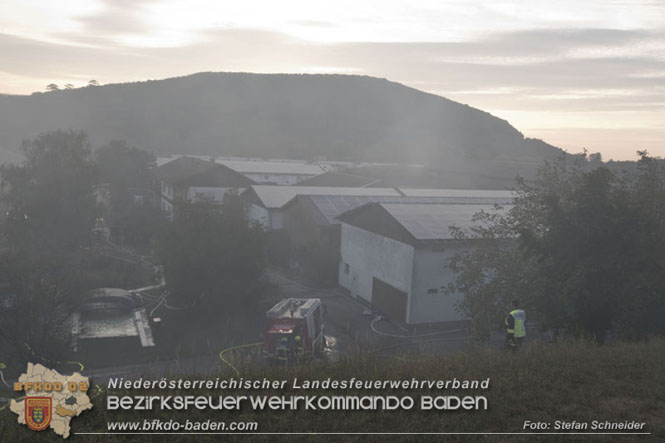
point(294, 328)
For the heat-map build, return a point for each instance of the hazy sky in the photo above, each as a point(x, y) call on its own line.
point(582, 73)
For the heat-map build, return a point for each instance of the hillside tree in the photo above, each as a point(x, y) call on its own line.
point(49, 209)
point(211, 255)
point(583, 250)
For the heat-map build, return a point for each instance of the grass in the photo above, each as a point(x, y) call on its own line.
point(567, 381)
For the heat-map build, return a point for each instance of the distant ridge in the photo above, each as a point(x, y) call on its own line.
point(334, 117)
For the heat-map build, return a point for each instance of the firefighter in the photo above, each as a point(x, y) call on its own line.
point(515, 327)
point(300, 349)
point(282, 349)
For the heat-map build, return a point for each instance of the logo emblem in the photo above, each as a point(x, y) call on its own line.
point(38, 412)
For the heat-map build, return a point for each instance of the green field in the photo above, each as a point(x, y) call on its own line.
point(567, 381)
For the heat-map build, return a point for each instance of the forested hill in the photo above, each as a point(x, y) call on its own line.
point(335, 117)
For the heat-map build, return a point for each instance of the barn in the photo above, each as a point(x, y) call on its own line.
point(188, 178)
point(266, 202)
point(395, 257)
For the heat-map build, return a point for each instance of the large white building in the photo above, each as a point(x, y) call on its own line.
point(395, 257)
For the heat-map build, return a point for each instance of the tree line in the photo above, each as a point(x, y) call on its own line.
point(582, 249)
point(50, 204)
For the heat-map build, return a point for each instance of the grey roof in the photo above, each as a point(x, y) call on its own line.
point(334, 178)
point(331, 206)
point(272, 196)
point(249, 166)
point(272, 167)
point(192, 171)
point(433, 221)
point(457, 193)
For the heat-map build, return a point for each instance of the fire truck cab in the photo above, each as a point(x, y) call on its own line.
point(294, 328)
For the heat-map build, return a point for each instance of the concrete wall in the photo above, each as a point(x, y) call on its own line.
point(432, 272)
point(369, 255)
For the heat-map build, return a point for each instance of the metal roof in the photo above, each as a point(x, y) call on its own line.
point(457, 193)
point(272, 167)
point(193, 171)
point(273, 196)
point(334, 178)
point(249, 166)
point(433, 221)
point(331, 206)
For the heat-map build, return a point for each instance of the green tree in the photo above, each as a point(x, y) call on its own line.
point(127, 173)
point(211, 256)
point(127, 170)
point(583, 250)
point(50, 209)
point(37, 296)
point(49, 199)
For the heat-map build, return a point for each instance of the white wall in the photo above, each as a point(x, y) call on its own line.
point(258, 214)
point(370, 255)
point(432, 271)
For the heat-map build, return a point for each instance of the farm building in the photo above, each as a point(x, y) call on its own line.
point(314, 230)
point(269, 172)
point(266, 202)
point(395, 257)
point(188, 178)
point(274, 172)
point(307, 216)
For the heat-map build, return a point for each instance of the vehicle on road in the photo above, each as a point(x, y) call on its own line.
point(294, 329)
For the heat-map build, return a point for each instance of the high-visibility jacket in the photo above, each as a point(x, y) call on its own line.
point(299, 345)
point(515, 323)
point(282, 349)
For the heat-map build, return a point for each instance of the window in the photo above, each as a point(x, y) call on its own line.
point(347, 268)
point(432, 291)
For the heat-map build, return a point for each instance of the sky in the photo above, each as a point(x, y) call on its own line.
point(582, 74)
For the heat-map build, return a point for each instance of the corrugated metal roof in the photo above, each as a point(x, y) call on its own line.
point(333, 178)
point(457, 193)
point(275, 167)
point(433, 221)
point(272, 196)
point(332, 206)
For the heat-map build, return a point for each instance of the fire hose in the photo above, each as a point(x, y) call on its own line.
point(233, 348)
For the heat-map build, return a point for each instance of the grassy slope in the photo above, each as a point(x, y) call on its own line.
point(578, 381)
